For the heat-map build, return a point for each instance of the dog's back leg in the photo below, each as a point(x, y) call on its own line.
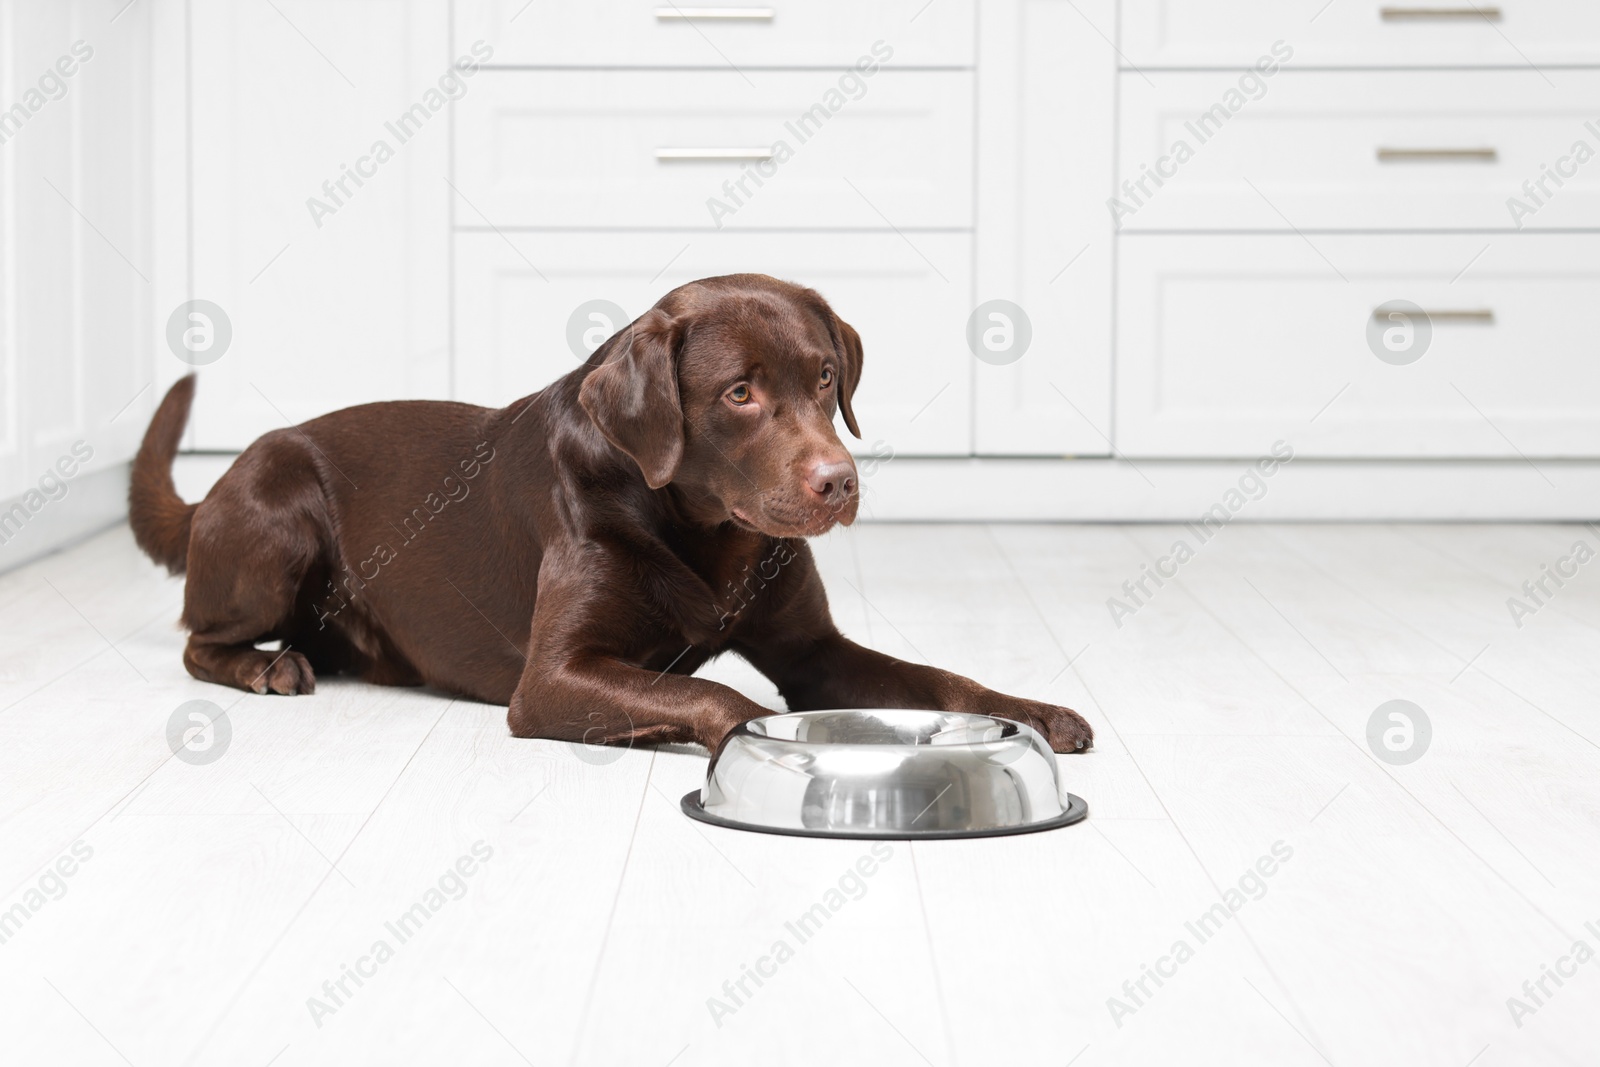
point(261, 534)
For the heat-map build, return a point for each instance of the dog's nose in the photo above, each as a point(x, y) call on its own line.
point(832, 479)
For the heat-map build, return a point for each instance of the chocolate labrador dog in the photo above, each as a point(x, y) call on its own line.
point(577, 555)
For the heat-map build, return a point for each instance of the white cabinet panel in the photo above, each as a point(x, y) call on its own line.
point(75, 269)
point(1358, 150)
point(1045, 242)
point(338, 293)
point(516, 294)
point(1361, 33)
point(673, 149)
point(1228, 343)
point(748, 36)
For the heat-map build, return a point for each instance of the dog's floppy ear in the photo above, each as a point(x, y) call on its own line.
point(847, 344)
point(633, 395)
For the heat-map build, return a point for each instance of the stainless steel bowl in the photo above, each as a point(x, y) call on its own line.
point(891, 773)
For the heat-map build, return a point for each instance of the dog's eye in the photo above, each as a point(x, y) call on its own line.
point(739, 394)
point(827, 377)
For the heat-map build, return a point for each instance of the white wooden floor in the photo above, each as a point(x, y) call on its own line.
point(217, 898)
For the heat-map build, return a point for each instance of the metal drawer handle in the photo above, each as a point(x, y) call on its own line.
point(737, 155)
point(1420, 14)
point(1481, 316)
point(726, 14)
point(1438, 155)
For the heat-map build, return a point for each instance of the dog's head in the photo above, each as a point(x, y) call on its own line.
point(727, 390)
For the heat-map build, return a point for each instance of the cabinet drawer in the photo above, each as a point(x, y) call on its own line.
point(683, 149)
point(1361, 33)
point(1359, 150)
point(1228, 343)
point(744, 34)
point(520, 296)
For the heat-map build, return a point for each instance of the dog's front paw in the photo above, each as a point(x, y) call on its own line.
point(1063, 729)
point(287, 673)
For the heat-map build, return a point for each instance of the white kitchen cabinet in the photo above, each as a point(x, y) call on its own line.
point(608, 149)
point(742, 35)
point(1229, 343)
point(1371, 149)
point(1045, 243)
point(519, 296)
point(75, 345)
point(1332, 260)
point(328, 309)
point(1361, 33)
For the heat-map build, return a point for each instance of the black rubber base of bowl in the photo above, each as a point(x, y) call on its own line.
point(1076, 811)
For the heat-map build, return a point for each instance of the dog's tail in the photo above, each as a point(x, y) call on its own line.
point(159, 517)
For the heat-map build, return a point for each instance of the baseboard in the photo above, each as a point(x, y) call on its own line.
point(194, 473)
point(1303, 490)
point(94, 501)
point(1111, 490)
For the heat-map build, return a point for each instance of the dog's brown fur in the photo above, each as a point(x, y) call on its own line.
point(576, 555)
